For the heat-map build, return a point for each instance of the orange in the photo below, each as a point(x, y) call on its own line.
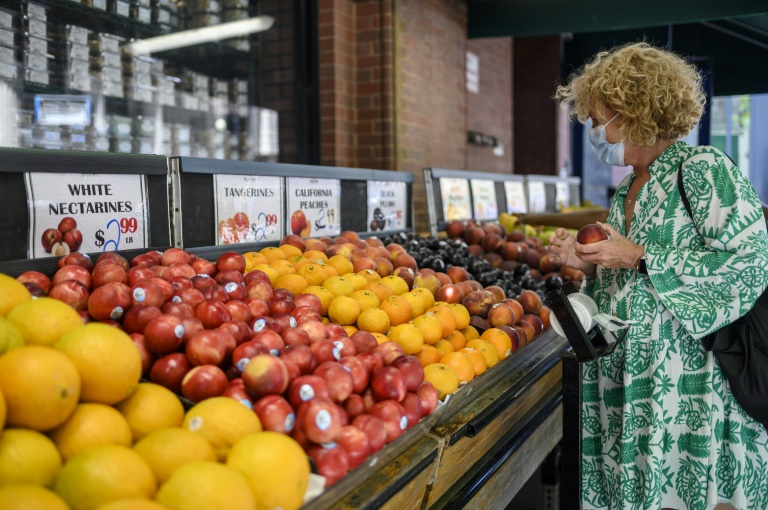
point(205, 485)
point(273, 253)
point(103, 474)
point(357, 280)
point(457, 340)
point(290, 250)
point(269, 271)
point(470, 333)
point(488, 350)
point(107, 360)
point(315, 256)
point(151, 407)
point(339, 285)
point(282, 267)
point(461, 364)
point(398, 309)
point(89, 426)
point(12, 293)
point(3, 410)
point(10, 338)
point(313, 273)
point(461, 314)
point(223, 421)
point(329, 270)
point(341, 264)
point(343, 310)
point(417, 304)
point(430, 327)
point(276, 468)
point(443, 378)
point(43, 321)
point(28, 457)
point(373, 320)
point(500, 340)
point(395, 283)
point(408, 336)
point(30, 497)
point(380, 338)
point(41, 387)
point(446, 319)
point(444, 347)
point(428, 355)
point(382, 291)
point(292, 282)
point(166, 450)
point(325, 296)
point(298, 262)
point(366, 299)
point(255, 258)
point(351, 330)
point(426, 296)
point(132, 504)
point(370, 275)
point(477, 358)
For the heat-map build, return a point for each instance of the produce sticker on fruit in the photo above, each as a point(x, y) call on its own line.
point(86, 213)
point(386, 205)
point(515, 192)
point(248, 208)
point(484, 199)
point(455, 195)
point(314, 206)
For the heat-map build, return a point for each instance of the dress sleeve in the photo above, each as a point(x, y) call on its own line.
point(712, 273)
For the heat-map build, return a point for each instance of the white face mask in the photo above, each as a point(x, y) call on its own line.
point(609, 153)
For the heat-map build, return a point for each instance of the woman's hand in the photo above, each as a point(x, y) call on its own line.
point(562, 245)
point(615, 252)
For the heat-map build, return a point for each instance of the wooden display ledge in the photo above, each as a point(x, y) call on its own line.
point(480, 451)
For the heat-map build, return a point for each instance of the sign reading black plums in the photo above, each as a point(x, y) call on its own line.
point(85, 212)
point(313, 207)
point(248, 208)
point(386, 205)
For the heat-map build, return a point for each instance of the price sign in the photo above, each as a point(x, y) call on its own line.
point(484, 199)
point(314, 207)
point(387, 205)
point(86, 213)
point(248, 208)
point(537, 197)
point(455, 195)
point(515, 192)
point(562, 194)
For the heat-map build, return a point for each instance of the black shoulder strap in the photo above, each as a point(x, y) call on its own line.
point(683, 196)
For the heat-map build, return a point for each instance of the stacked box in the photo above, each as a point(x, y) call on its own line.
point(9, 69)
point(119, 7)
point(138, 78)
point(238, 96)
point(236, 10)
point(194, 91)
point(141, 11)
point(165, 14)
point(106, 63)
point(144, 135)
point(164, 84)
point(76, 59)
point(120, 133)
point(96, 4)
point(35, 41)
point(202, 13)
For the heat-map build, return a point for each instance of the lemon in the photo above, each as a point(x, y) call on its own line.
point(103, 474)
point(43, 321)
point(30, 497)
point(10, 336)
point(29, 457)
point(223, 421)
point(12, 292)
point(167, 450)
point(206, 486)
point(91, 425)
point(344, 310)
point(151, 407)
point(132, 504)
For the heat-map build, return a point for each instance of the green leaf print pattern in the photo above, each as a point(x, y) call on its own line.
point(660, 428)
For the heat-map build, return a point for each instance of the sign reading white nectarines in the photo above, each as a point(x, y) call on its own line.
point(386, 205)
point(85, 212)
point(248, 208)
point(314, 206)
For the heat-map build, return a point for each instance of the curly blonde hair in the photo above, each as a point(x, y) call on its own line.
point(657, 93)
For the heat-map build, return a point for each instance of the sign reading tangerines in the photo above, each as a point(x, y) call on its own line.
point(86, 213)
point(248, 208)
point(515, 192)
point(455, 195)
point(386, 205)
point(537, 196)
point(314, 207)
point(484, 199)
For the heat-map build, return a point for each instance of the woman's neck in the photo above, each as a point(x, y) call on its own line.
point(647, 155)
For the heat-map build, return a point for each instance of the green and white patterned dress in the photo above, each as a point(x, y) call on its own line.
point(660, 427)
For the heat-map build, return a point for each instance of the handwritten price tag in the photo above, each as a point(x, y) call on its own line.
point(247, 208)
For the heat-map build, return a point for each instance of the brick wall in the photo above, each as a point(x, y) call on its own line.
point(536, 74)
point(490, 111)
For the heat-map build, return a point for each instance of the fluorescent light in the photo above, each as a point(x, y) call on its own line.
point(201, 35)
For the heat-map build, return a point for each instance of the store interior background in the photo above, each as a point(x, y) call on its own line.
point(467, 84)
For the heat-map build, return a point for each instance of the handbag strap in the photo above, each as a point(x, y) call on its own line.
point(684, 197)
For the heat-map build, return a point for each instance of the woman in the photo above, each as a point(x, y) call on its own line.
point(660, 426)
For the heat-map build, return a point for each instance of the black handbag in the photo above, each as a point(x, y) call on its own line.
point(741, 348)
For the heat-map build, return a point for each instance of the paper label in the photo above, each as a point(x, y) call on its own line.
point(248, 208)
point(537, 197)
point(103, 213)
point(387, 205)
point(515, 192)
point(314, 206)
point(562, 195)
point(455, 195)
point(484, 199)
